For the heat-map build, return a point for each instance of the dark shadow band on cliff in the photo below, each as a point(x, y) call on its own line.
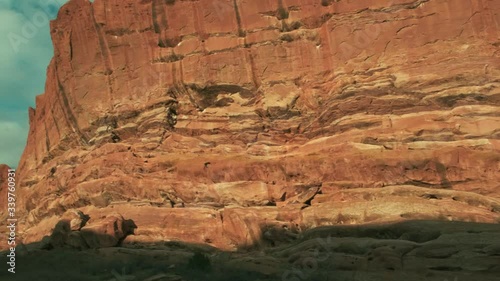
point(409, 250)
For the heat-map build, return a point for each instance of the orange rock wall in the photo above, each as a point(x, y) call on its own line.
point(250, 104)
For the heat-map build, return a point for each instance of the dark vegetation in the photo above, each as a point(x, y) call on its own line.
point(171, 58)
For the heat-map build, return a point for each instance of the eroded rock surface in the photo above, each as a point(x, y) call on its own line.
point(240, 124)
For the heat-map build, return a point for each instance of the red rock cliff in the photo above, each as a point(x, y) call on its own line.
point(209, 121)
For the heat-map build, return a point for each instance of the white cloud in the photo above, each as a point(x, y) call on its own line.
point(25, 62)
point(11, 23)
point(11, 134)
point(6, 4)
point(22, 69)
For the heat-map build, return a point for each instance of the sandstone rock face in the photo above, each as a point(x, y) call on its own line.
point(236, 123)
point(108, 231)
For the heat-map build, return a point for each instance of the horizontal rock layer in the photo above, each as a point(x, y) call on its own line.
point(219, 122)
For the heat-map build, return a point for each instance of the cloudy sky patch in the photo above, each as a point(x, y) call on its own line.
point(25, 52)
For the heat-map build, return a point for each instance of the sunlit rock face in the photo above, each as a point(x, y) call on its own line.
point(233, 123)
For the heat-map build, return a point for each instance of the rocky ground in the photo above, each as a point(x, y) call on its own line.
point(244, 125)
point(413, 250)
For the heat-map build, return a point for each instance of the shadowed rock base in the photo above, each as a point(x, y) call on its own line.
point(248, 124)
point(412, 250)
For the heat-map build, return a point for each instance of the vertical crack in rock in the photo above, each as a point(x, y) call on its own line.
point(66, 109)
point(159, 17)
point(241, 32)
point(160, 24)
point(105, 55)
point(255, 78)
point(103, 45)
point(71, 45)
point(55, 122)
point(198, 24)
point(32, 130)
point(174, 74)
point(282, 13)
point(47, 140)
point(181, 71)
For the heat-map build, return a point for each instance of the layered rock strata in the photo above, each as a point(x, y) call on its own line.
point(218, 122)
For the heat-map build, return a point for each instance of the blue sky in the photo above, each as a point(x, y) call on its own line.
point(25, 52)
